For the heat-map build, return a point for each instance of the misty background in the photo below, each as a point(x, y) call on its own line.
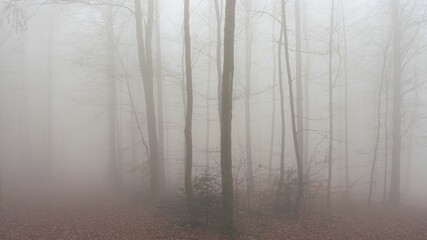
point(54, 101)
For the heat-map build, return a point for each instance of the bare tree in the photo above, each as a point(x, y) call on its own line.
point(226, 116)
point(293, 116)
point(189, 114)
point(160, 107)
point(298, 80)
point(331, 126)
point(282, 113)
point(346, 155)
point(112, 103)
point(146, 68)
point(218, 14)
point(377, 137)
point(248, 60)
point(273, 90)
point(397, 103)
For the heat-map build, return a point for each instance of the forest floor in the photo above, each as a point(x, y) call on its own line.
point(95, 220)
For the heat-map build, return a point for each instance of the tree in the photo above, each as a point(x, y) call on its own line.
point(189, 114)
point(49, 78)
point(293, 116)
point(377, 138)
point(282, 112)
point(248, 60)
point(146, 68)
point(273, 90)
point(306, 92)
point(397, 103)
point(160, 107)
point(298, 80)
point(226, 116)
point(346, 155)
point(331, 119)
point(218, 12)
point(112, 104)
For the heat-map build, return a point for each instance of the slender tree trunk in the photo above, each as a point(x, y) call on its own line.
point(160, 108)
point(48, 166)
point(397, 102)
point(248, 60)
point(331, 129)
point(208, 86)
point(189, 114)
point(273, 118)
point(346, 154)
point(293, 116)
point(226, 116)
point(282, 114)
point(218, 12)
point(307, 93)
point(112, 104)
point(409, 148)
point(377, 137)
point(386, 124)
point(298, 80)
point(146, 67)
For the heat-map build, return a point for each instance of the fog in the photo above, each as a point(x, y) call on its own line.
point(98, 106)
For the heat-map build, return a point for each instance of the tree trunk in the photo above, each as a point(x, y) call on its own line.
point(248, 60)
point(386, 124)
point(397, 102)
point(346, 154)
point(112, 105)
point(218, 11)
point(377, 137)
point(189, 114)
point(282, 114)
point(208, 86)
point(146, 68)
point(331, 129)
point(307, 95)
point(48, 166)
point(293, 117)
point(273, 118)
point(226, 116)
point(160, 108)
point(298, 80)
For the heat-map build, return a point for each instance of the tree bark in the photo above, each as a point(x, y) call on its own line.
point(397, 102)
point(377, 137)
point(112, 105)
point(331, 126)
point(146, 68)
point(298, 80)
point(160, 107)
point(226, 116)
point(218, 11)
point(273, 89)
point(189, 114)
point(282, 113)
point(346, 154)
point(300, 187)
point(248, 60)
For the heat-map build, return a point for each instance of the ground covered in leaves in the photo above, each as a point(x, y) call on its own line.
point(95, 220)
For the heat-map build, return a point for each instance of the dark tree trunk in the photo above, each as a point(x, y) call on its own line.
point(248, 60)
point(331, 120)
point(282, 114)
point(397, 102)
point(189, 114)
point(146, 67)
point(226, 116)
point(293, 117)
point(218, 11)
point(160, 108)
